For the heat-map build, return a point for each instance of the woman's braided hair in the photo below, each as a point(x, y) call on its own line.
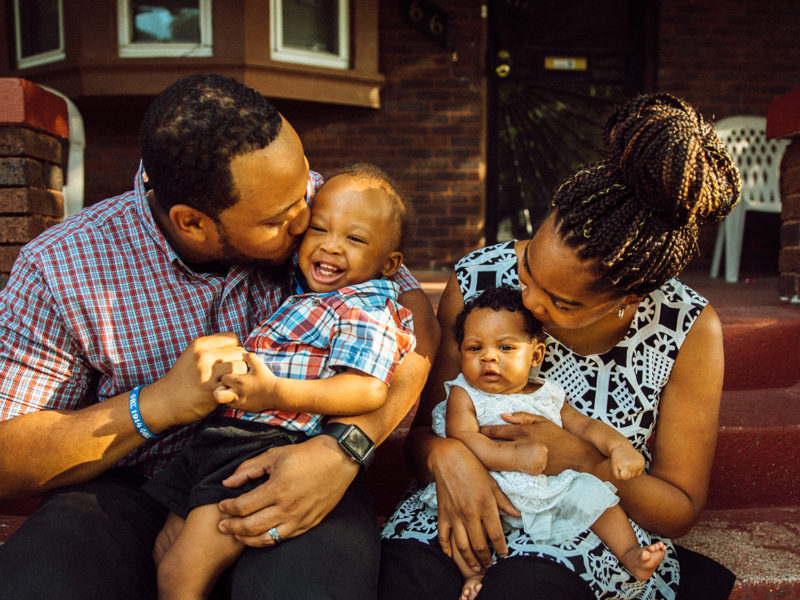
point(636, 212)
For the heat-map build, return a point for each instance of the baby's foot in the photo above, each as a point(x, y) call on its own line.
point(641, 562)
point(472, 585)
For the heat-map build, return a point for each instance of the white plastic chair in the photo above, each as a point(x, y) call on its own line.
point(759, 162)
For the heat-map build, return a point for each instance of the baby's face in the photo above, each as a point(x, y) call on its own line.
point(350, 239)
point(496, 354)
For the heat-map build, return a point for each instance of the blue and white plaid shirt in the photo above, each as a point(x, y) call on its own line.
point(313, 336)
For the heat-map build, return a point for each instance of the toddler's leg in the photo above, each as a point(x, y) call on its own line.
point(198, 556)
point(472, 579)
point(616, 532)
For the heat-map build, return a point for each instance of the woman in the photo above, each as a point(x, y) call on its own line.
point(630, 344)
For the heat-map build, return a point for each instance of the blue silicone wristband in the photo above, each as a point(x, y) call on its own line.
point(133, 405)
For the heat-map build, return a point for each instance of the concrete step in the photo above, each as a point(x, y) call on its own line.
point(760, 545)
point(757, 448)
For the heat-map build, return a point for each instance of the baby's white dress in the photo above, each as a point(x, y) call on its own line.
point(554, 507)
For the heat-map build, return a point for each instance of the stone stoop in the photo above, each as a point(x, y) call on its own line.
point(760, 545)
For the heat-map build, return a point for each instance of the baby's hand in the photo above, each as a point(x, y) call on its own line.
point(531, 457)
point(252, 391)
point(626, 462)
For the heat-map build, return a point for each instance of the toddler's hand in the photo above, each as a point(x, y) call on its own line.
point(253, 391)
point(626, 462)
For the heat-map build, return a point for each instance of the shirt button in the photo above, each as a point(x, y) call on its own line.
point(316, 302)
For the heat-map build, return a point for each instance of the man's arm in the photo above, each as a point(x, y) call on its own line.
point(50, 448)
point(307, 480)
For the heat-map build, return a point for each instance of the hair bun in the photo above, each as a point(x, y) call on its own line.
point(671, 159)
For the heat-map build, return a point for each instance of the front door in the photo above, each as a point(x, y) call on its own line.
point(556, 69)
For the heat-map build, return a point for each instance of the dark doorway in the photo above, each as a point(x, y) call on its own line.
point(557, 68)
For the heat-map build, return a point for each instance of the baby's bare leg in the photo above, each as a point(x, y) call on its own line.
point(472, 579)
point(198, 556)
point(616, 532)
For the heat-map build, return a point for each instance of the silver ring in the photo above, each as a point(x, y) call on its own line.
point(276, 537)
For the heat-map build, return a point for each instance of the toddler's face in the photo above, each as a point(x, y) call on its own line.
point(350, 239)
point(497, 354)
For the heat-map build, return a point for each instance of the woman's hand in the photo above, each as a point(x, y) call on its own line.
point(564, 450)
point(468, 499)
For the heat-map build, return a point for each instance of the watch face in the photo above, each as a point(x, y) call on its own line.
point(356, 443)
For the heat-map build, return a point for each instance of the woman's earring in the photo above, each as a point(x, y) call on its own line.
point(621, 312)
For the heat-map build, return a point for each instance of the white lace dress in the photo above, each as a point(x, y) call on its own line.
point(554, 508)
point(621, 387)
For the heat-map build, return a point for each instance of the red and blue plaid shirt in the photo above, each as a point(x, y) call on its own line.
point(101, 303)
point(313, 336)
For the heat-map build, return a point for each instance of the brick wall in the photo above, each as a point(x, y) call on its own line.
point(730, 57)
point(33, 127)
point(428, 134)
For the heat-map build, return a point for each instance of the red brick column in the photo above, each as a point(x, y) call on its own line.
point(33, 131)
point(783, 121)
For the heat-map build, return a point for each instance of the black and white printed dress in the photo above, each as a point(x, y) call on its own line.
point(621, 387)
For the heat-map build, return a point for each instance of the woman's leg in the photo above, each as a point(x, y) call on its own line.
point(702, 578)
point(416, 570)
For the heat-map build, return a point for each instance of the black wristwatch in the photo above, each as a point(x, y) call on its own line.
point(355, 443)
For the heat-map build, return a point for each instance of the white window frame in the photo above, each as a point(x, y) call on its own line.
point(43, 57)
point(279, 52)
point(130, 49)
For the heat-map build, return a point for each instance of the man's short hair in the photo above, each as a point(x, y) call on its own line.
point(191, 132)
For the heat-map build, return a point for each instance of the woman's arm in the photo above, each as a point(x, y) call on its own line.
point(670, 497)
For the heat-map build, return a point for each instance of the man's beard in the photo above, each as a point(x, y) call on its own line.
point(276, 272)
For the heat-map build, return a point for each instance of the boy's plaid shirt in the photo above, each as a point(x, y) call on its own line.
point(313, 336)
point(101, 303)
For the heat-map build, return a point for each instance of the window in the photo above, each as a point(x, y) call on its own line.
point(311, 32)
point(39, 28)
point(164, 28)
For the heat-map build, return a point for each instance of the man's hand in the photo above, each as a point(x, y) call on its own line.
point(306, 481)
point(253, 391)
point(186, 393)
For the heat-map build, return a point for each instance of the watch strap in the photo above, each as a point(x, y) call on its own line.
point(353, 441)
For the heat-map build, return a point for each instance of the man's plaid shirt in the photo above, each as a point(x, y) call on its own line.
point(313, 336)
point(101, 303)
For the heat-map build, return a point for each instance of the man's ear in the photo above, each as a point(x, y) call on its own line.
point(191, 223)
point(392, 263)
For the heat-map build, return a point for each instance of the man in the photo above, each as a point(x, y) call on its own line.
point(106, 367)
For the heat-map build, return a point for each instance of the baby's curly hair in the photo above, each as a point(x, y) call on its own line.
point(191, 132)
point(499, 298)
point(636, 212)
